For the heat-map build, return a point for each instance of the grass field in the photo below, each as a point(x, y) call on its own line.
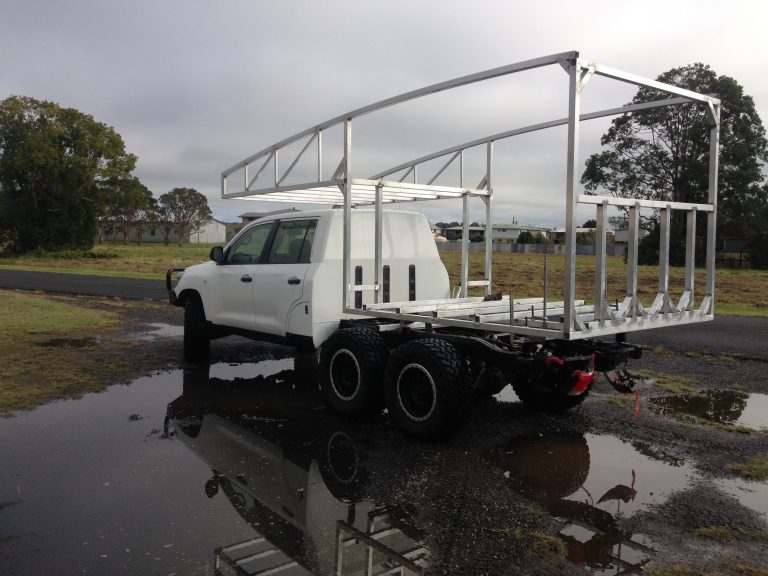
point(743, 292)
point(31, 326)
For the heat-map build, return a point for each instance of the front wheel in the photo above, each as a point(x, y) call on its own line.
point(196, 336)
point(428, 395)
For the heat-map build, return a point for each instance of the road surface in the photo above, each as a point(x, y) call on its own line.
point(112, 287)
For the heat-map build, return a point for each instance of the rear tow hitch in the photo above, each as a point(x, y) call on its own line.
point(621, 380)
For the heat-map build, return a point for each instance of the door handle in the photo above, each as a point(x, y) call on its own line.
point(246, 278)
point(294, 280)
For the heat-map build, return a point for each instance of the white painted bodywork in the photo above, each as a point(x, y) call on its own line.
point(314, 307)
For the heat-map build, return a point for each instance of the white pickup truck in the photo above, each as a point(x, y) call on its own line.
point(280, 279)
point(369, 289)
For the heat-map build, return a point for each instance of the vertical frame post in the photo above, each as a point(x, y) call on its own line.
point(601, 260)
point(319, 155)
point(714, 144)
point(277, 167)
point(690, 256)
point(665, 215)
point(634, 233)
point(377, 245)
point(574, 109)
point(464, 245)
point(347, 236)
point(489, 221)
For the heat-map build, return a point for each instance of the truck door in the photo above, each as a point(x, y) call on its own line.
point(279, 282)
point(231, 293)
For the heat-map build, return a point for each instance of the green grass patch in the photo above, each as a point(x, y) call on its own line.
point(624, 401)
point(672, 570)
point(41, 339)
point(145, 260)
point(715, 533)
point(547, 546)
point(754, 469)
point(745, 570)
point(670, 382)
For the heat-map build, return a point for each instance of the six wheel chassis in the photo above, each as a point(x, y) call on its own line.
point(428, 378)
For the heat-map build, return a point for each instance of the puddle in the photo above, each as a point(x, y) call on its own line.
point(70, 342)
point(589, 482)
point(250, 370)
point(159, 330)
point(753, 495)
point(231, 462)
point(719, 406)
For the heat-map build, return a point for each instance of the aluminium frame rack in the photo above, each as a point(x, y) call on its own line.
point(569, 319)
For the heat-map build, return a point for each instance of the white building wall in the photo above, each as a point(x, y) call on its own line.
point(211, 232)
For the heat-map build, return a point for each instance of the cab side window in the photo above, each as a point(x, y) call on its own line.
point(248, 247)
point(292, 243)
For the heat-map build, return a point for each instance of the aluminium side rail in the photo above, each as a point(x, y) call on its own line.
point(570, 318)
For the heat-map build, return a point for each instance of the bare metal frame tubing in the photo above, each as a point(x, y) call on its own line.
point(402, 184)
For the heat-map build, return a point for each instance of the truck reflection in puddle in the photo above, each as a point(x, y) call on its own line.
point(553, 470)
point(299, 477)
point(293, 472)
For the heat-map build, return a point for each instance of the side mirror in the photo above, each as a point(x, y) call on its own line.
point(217, 254)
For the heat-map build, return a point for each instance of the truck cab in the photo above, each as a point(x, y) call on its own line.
point(280, 278)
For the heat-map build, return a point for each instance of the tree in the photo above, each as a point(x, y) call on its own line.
point(145, 215)
point(126, 205)
point(590, 224)
point(56, 165)
point(525, 237)
point(663, 154)
point(186, 208)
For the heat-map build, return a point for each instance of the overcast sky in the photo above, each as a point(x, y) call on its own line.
point(193, 86)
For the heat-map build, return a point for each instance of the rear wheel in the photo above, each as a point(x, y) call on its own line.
point(428, 395)
point(196, 336)
point(352, 362)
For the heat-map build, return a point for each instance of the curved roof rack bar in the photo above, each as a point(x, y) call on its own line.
point(413, 94)
point(528, 129)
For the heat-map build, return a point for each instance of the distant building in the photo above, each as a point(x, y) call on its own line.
point(558, 234)
point(454, 233)
point(212, 232)
point(509, 233)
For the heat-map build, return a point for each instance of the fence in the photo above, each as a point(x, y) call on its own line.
point(581, 249)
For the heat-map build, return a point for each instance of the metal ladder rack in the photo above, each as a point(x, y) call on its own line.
point(399, 560)
point(254, 557)
point(415, 180)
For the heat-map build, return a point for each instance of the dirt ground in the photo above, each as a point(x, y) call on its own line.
point(477, 524)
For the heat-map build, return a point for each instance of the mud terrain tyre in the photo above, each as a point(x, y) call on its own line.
point(352, 363)
point(428, 395)
point(196, 337)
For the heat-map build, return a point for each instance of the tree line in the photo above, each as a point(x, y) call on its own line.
point(63, 174)
point(132, 207)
